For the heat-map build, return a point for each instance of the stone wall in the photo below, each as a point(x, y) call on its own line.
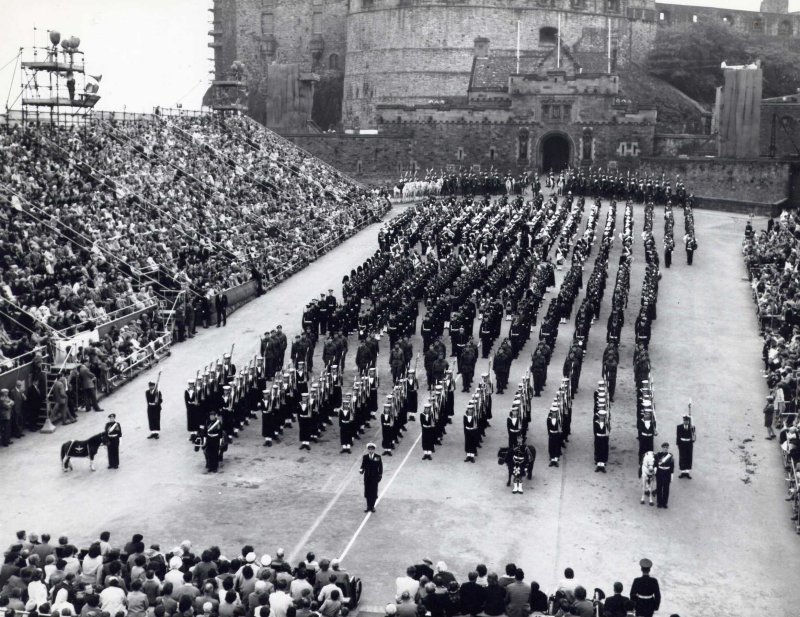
point(754, 181)
point(673, 145)
point(507, 147)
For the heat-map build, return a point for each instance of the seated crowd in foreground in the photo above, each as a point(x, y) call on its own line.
point(428, 592)
point(41, 579)
point(95, 221)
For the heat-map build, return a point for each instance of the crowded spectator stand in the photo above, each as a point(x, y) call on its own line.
point(771, 257)
point(112, 251)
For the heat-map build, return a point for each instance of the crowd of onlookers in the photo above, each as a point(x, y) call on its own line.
point(772, 256)
point(96, 220)
point(433, 591)
point(43, 577)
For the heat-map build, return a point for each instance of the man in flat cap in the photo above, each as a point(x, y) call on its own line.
point(372, 470)
point(154, 400)
point(113, 432)
point(645, 593)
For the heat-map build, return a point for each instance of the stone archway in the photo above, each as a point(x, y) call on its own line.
point(555, 152)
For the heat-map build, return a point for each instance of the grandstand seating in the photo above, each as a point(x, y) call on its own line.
point(109, 219)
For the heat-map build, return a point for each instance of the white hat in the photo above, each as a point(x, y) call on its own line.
point(250, 557)
point(266, 560)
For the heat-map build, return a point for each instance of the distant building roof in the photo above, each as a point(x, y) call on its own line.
point(492, 73)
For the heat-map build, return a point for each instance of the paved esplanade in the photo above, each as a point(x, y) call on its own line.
point(725, 546)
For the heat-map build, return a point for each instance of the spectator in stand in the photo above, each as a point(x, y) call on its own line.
point(112, 598)
point(437, 604)
point(407, 583)
point(406, 607)
point(518, 595)
point(279, 600)
point(137, 600)
point(332, 606)
point(482, 573)
point(582, 607)
point(538, 599)
point(617, 605)
point(472, 595)
point(510, 575)
point(495, 603)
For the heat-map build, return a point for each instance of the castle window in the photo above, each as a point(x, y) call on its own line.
point(663, 17)
point(728, 19)
point(358, 165)
point(491, 154)
point(267, 23)
point(785, 28)
point(694, 19)
point(612, 6)
point(367, 4)
point(333, 62)
point(460, 154)
point(548, 35)
point(757, 25)
point(578, 4)
point(316, 23)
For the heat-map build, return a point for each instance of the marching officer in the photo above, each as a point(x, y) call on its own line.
point(665, 467)
point(372, 470)
point(645, 593)
point(602, 432)
point(684, 440)
point(471, 433)
point(212, 441)
point(154, 401)
point(113, 432)
point(553, 436)
point(610, 363)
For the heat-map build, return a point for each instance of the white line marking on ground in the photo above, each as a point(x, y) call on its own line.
point(380, 497)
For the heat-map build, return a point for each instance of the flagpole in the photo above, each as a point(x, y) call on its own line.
point(609, 45)
point(518, 35)
point(558, 44)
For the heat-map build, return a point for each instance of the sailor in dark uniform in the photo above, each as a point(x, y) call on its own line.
point(154, 401)
point(428, 424)
point(646, 428)
point(514, 428)
point(665, 467)
point(265, 407)
point(553, 437)
point(684, 439)
point(471, 433)
point(602, 432)
point(194, 419)
point(113, 433)
point(211, 442)
point(645, 593)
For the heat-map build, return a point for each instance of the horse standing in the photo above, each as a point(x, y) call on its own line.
point(519, 461)
point(648, 476)
point(81, 449)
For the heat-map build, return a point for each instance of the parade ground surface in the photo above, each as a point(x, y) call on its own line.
point(725, 546)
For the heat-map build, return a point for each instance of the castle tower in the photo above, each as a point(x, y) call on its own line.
point(413, 51)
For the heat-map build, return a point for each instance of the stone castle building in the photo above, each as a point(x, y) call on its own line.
point(338, 60)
